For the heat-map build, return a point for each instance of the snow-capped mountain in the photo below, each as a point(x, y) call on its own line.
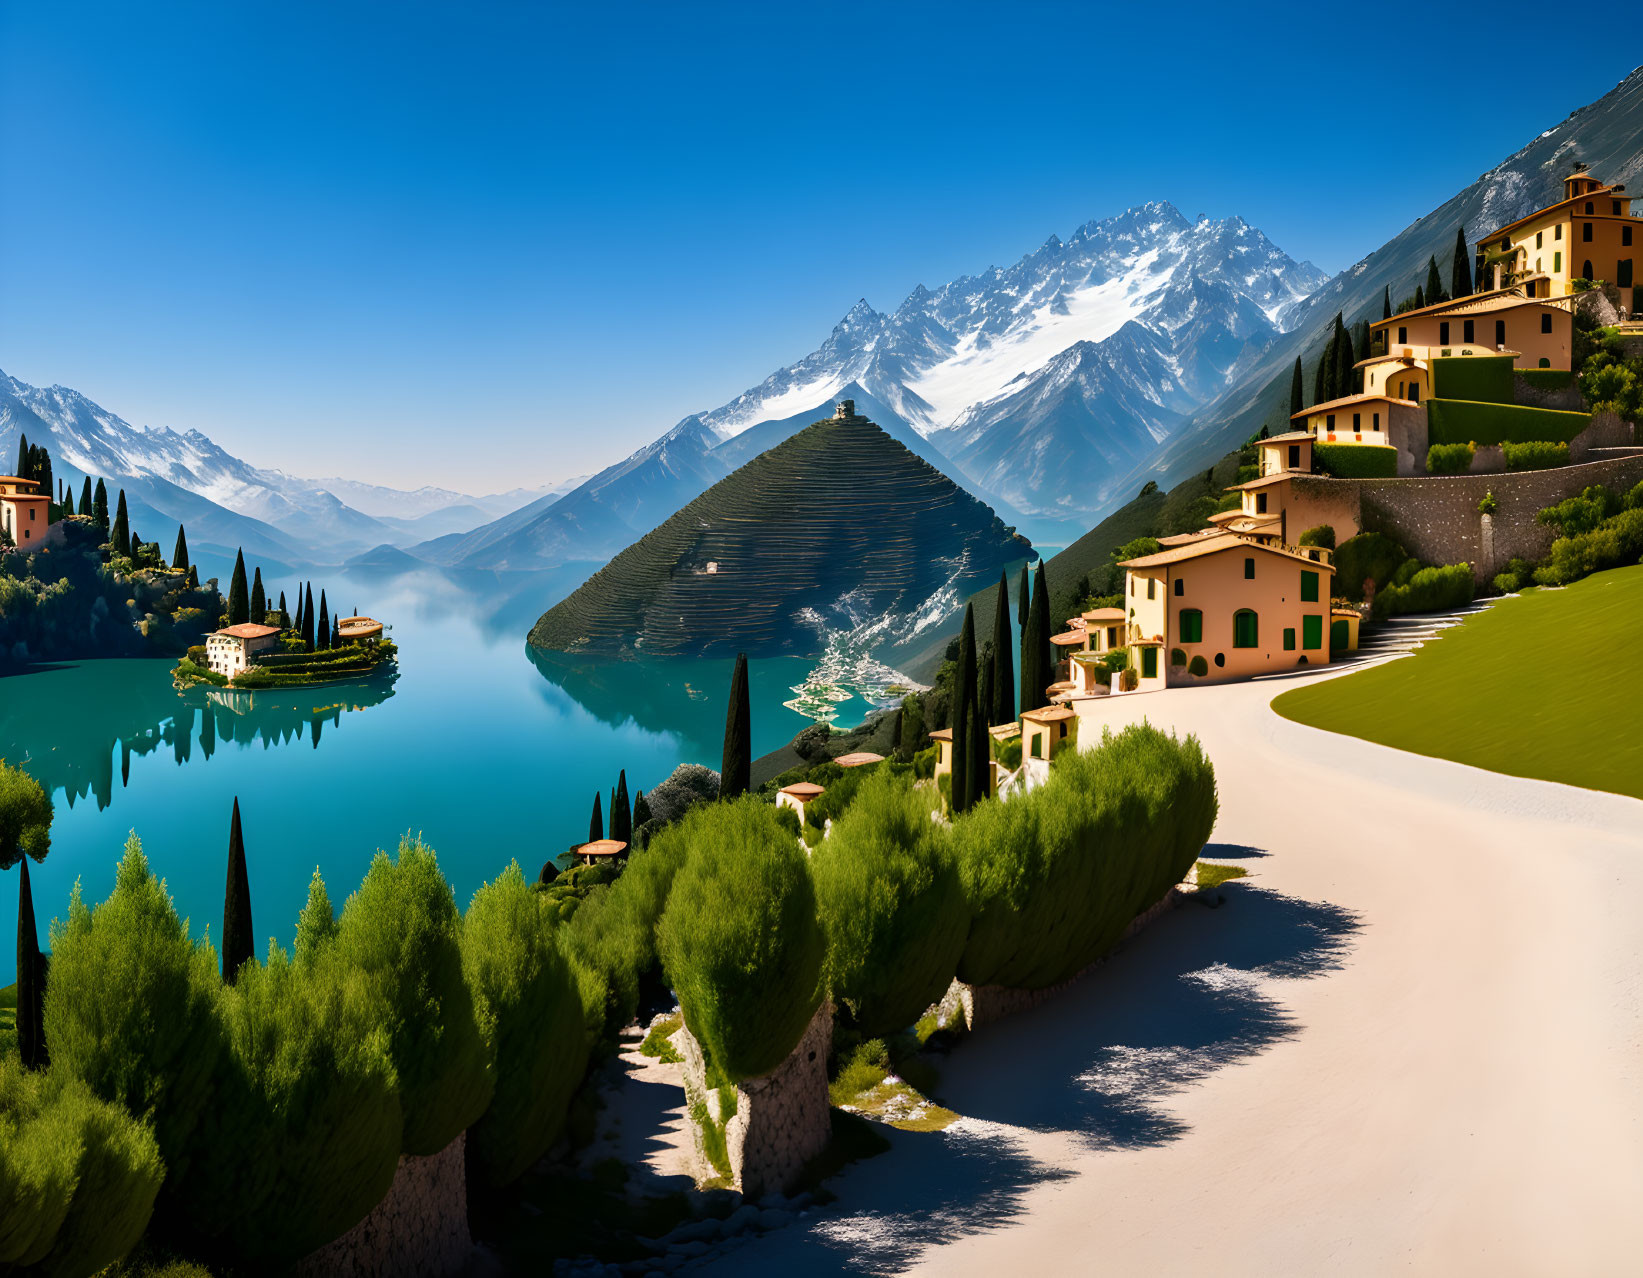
point(1195, 300)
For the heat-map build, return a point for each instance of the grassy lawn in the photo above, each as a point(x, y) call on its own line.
point(1544, 685)
point(8, 1020)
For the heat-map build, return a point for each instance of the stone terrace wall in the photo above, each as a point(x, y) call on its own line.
point(1315, 500)
point(1606, 431)
point(420, 1230)
point(1437, 520)
point(1565, 399)
point(781, 1120)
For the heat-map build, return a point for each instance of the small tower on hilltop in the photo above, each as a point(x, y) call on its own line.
point(845, 410)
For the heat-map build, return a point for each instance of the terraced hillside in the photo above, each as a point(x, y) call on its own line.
point(836, 527)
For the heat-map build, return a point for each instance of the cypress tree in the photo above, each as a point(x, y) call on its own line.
point(259, 597)
point(22, 471)
point(322, 631)
point(621, 814)
point(1003, 708)
point(1044, 629)
point(964, 712)
point(1434, 281)
point(641, 810)
point(980, 756)
point(285, 617)
point(239, 599)
point(66, 500)
point(1322, 376)
point(237, 946)
point(179, 555)
point(336, 633)
point(40, 470)
point(85, 497)
point(136, 542)
point(1460, 272)
point(100, 505)
point(1021, 599)
point(736, 768)
point(1343, 360)
point(596, 819)
point(308, 617)
point(299, 608)
point(987, 671)
point(1297, 400)
point(122, 529)
point(31, 977)
point(1031, 676)
point(1386, 302)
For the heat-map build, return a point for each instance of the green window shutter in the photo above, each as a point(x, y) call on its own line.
point(1245, 630)
point(1309, 587)
point(1312, 632)
point(1149, 663)
point(1249, 569)
point(1289, 639)
point(1192, 625)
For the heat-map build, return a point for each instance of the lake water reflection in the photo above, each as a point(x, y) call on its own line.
point(490, 750)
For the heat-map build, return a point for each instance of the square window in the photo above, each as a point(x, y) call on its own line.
point(1467, 330)
point(1557, 231)
point(1249, 569)
point(1309, 587)
point(1403, 336)
point(1443, 333)
point(1585, 232)
point(1625, 237)
point(1180, 586)
point(1546, 323)
point(1312, 632)
point(1557, 261)
point(1289, 639)
point(1152, 588)
point(1538, 238)
point(1191, 626)
point(1377, 421)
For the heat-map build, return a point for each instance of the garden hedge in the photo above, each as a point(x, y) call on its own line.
point(1370, 556)
point(891, 905)
point(1357, 461)
point(739, 939)
point(1549, 379)
point(1426, 590)
point(1459, 421)
point(1449, 459)
point(1055, 875)
point(1481, 378)
point(1536, 455)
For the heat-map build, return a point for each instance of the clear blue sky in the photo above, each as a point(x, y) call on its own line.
point(492, 244)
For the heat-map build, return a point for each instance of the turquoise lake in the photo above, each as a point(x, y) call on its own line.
point(490, 752)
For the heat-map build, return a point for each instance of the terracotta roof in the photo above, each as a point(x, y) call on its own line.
point(1061, 685)
point(857, 759)
point(1214, 546)
point(1104, 614)
point(1602, 192)
point(18, 479)
point(1346, 612)
point(1182, 539)
point(1049, 714)
point(602, 847)
point(942, 734)
point(1224, 517)
point(1068, 638)
point(1349, 399)
point(1285, 438)
point(1495, 299)
point(803, 789)
point(1408, 360)
point(1265, 481)
point(248, 630)
point(1004, 731)
point(25, 497)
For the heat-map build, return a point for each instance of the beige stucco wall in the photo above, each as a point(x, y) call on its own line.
point(1520, 329)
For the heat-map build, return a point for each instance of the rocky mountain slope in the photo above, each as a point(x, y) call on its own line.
point(837, 526)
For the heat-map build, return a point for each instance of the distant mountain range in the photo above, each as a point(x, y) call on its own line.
point(838, 527)
point(171, 478)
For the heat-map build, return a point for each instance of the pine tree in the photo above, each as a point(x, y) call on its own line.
point(1434, 281)
point(964, 711)
point(322, 631)
point(238, 947)
point(31, 977)
point(621, 815)
point(239, 599)
point(735, 770)
point(308, 617)
point(100, 505)
point(1460, 271)
point(259, 598)
point(1021, 600)
point(1003, 707)
point(596, 820)
point(1386, 302)
point(1044, 628)
point(1297, 396)
point(85, 497)
point(122, 529)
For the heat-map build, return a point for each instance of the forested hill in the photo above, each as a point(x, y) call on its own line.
point(837, 527)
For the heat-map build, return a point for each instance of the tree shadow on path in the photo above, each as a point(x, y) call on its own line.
point(1096, 1063)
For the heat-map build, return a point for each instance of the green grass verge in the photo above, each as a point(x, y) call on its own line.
point(8, 1020)
point(1212, 874)
point(657, 1041)
point(1480, 695)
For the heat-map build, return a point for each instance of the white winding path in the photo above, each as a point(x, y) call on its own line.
point(1412, 1043)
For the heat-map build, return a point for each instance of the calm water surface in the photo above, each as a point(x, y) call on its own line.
point(489, 751)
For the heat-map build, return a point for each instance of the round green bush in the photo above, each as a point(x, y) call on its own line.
point(892, 907)
point(531, 1014)
point(740, 940)
point(1198, 666)
point(1321, 535)
point(1536, 455)
point(401, 929)
point(1369, 556)
point(1449, 459)
point(1055, 875)
point(1177, 657)
point(78, 1175)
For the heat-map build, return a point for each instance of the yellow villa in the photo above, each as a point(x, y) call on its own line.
point(943, 737)
point(1590, 234)
point(1537, 333)
point(1044, 732)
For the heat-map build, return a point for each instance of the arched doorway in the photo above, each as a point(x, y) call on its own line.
point(1586, 269)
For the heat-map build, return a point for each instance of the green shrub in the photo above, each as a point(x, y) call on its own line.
point(531, 1014)
point(1575, 515)
point(1357, 461)
point(1535, 455)
point(401, 929)
point(924, 763)
point(863, 1070)
point(1426, 590)
point(944, 784)
point(78, 1175)
point(1055, 875)
point(1449, 459)
point(1370, 556)
point(1487, 504)
point(1459, 421)
point(740, 941)
point(132, 1011)
point(1322, 535)
point(1177, 657)
point(1009, 754)
point(1480, 378)
point(1614, 543)
point(891, 905)
point(1517, 574)
point(1198, 666)
point(1616, 388)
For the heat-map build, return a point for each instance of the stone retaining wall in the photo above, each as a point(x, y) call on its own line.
point(419, 1230)
point(984, 1004)
point(781, 1120)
